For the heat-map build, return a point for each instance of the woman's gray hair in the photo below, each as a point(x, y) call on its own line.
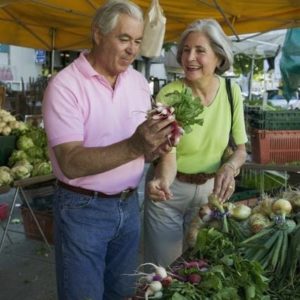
point(106, 16)
point(219, 42)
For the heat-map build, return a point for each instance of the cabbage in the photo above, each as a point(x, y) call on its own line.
point(38, 136)
point(24, 163)
point(35, 152)
point(24, 143)
point(4, 168)
point(43, 168)
point(16, 156)
point(20, 172)
point(5, 177)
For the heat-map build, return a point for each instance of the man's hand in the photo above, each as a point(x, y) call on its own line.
point(152, 137)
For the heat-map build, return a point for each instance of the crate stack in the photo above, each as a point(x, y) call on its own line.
point(275, 135)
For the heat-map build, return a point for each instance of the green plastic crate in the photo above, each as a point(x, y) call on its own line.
point(243, 195)
point(275, 120)
point(7, 146)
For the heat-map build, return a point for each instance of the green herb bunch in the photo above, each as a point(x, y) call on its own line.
point(187, 108)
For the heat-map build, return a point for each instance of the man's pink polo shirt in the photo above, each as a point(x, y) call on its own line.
point(80, 105)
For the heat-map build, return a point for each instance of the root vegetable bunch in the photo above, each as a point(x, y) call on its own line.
point(270, 245)
point(185, 107)
point(188, 108)
point(161, 111)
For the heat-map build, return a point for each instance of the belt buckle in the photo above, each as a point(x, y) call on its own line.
point(125, 194)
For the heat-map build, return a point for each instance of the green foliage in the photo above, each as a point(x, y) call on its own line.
point(242, 64)
point(187, 108)
point(167, 46)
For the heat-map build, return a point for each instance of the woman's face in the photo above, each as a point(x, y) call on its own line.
point(198, 59)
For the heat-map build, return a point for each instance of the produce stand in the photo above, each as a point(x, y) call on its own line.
point(20, 185)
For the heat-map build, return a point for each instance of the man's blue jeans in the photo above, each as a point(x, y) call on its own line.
point(96, 246)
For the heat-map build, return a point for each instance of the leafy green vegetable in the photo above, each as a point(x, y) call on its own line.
point(187, 108)
point(43, 168)
point(5, 177)
point(24, 143)
point(16, 156)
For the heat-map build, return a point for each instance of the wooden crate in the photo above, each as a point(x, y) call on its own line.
point(45, 219)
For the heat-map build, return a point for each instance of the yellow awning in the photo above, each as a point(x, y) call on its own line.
point(65, 24)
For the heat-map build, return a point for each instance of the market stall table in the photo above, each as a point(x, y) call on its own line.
point(20, 185)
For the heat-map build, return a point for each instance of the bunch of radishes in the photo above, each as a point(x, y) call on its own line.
point(154, 282)
point(190, 271)
point(162, 112)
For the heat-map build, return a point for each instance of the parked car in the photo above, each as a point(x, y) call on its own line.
point(294, 104)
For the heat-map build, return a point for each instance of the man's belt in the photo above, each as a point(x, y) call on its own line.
point(122, 195)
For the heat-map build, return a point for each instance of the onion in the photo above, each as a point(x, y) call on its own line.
point(215, 202)
point(282, 207)
point(294, 197)
point(205, 213)
point(258, 221)
point(241, 212)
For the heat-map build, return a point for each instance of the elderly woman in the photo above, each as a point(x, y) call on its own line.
point(185, 177)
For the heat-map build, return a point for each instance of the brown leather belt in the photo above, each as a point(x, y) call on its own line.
point(198, 178)
point(122, 195)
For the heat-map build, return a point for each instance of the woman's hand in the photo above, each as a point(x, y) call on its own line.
point(224, 182)
point(159, 190)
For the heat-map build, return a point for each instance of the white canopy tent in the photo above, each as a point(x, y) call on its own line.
point(265, 44)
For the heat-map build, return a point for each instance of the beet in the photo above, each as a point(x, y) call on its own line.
point(194, 278)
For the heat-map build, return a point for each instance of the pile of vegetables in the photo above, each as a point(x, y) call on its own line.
point(30, 158)
point(213, 270)
point(229, 218)
point(236, 252)
point(267, 233)
point(8, 123)
point(185, 107)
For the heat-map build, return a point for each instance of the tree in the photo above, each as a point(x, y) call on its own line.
point(242, 64)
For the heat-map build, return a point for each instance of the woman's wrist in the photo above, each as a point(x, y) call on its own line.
point(231, 166)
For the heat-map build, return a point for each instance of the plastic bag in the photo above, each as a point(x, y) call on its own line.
point(154, 32)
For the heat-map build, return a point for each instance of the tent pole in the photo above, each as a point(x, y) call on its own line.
point(53, 32)
point(251, 77)
point(147, 61)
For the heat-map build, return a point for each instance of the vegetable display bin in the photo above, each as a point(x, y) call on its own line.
point(276, 146)
point(275, 120)
point(7, 146)
point(45, 219)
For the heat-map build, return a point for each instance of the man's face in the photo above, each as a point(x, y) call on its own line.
point(118, 49)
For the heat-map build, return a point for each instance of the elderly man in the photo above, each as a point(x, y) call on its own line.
point(94, 113)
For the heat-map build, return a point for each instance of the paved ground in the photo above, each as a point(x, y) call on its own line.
point(27, 266)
